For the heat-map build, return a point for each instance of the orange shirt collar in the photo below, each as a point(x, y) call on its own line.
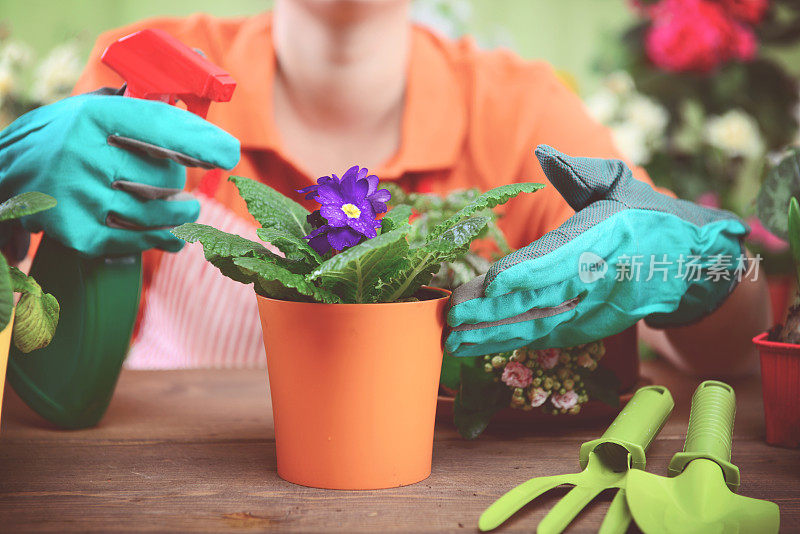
point(434, 118)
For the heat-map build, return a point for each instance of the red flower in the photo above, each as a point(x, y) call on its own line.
point(696, 35)
point(749, 11)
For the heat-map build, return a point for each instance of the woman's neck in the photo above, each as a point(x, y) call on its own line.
point(342, 60)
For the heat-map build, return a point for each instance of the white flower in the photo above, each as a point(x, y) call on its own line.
point(57, 74)
point(6, 80)
point(630, 140)
point(735, 133)
point(15, 54)
point(619, 82)
point(648, 115)
point(602, 105)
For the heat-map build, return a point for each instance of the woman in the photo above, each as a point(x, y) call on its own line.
point(323, 85)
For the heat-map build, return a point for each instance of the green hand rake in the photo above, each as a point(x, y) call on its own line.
point(606, 463)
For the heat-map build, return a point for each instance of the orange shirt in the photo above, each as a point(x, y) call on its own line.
point(472, 118)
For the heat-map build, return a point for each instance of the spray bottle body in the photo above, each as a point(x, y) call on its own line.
point(71, 381)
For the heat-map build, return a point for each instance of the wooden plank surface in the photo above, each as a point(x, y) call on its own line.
point(195, 451)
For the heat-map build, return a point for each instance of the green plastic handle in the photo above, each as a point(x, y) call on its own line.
point(710, 431)
point(636, 425)
point(70, 382)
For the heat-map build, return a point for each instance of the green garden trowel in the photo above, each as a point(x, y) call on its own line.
point(606, 463)
point(699, 497)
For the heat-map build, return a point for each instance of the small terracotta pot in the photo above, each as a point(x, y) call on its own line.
point(354, 389)
point(780, 380)
point(5, 345)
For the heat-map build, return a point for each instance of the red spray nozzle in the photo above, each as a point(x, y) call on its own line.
point(157, 66)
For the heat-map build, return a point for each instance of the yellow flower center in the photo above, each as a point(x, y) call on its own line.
point(351, 211)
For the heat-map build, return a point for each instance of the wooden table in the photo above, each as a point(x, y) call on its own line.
point(195, 450)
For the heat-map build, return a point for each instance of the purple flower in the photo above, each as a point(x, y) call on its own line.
point(348, 207)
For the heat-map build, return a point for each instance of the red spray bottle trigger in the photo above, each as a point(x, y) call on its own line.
point(157, 66)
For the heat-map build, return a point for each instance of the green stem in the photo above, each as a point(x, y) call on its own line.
point(418, 269)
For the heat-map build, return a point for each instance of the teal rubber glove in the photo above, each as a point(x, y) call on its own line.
point(578, 283)
point(112, 163)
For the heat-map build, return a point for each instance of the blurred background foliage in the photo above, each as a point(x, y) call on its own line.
point(702, 93)
point(526, 25)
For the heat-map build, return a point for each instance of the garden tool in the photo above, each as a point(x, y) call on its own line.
point(606, 463)
point(71, 381)
point(699, 495)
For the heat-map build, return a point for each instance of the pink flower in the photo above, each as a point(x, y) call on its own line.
point(517, 375)
point(749, 11)
point(759, 234)
point(565, 401)
point(537, 396)
point(696, 35)
point(548, 358)
point(744, 44)
point(709, 199)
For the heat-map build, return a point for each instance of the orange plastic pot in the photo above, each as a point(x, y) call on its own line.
point(5, 345)
point(354, 389)
point(780, 378)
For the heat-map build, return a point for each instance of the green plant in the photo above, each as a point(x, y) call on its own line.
point(36, 312)
point(778, 208)
point(390, 267)
point(431, 210)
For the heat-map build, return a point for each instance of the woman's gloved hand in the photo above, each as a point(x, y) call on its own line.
point(628, 253)
point(110, 162)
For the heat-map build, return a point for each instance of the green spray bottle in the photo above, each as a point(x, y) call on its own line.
point(70, 382)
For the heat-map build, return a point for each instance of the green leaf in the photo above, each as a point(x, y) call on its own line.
point(272, 209)
point(217, 243)
point(601, 384)
point(274, 281)
point(425, 260)
point(6, 293)
point(451, 369)
point(395, 218)
point(478, 399)
point(794, 234)
point(356, 274)
point(221, 248)
point(294, 248)
point(488, 200)
point(780, 185)
point(37, 313)
point(25, 204)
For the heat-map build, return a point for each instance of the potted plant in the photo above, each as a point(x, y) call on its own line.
point(31, 322)
point(352, 333)
point(780, 347)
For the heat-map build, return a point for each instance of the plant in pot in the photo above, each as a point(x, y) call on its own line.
point(537, 382)
point(31, 322)
point(352, 332)
point(780, 347)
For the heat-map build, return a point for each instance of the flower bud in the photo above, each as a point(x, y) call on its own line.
point(597, 349)
point(488, 367)
point(569, 384)
point(498, 361)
